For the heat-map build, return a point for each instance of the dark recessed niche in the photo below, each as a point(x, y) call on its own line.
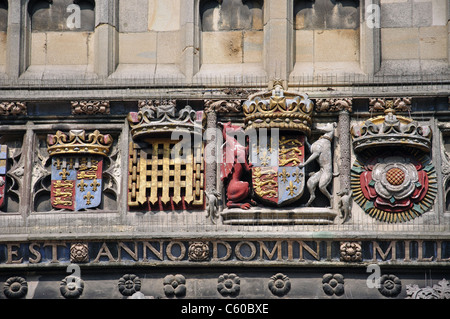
point(53, 15)
point(326, 14)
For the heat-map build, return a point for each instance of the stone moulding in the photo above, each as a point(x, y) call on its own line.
point(282, 216)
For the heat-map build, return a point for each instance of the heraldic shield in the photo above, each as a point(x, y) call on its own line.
point(77, 168)
point(76, 182)
point(276, 177)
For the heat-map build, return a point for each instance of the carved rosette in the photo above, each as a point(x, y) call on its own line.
point(15, 288)
point(279, 284)
point(79, 253)
point(229, 285)
point(198, 251)
point(351, 251)
point(71, 287)
point(390, 286)
point(333, 284)
point(174, 286)
point(129, 284)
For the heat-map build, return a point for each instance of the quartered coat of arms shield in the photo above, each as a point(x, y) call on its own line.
point(77, 168)
point(276, 177)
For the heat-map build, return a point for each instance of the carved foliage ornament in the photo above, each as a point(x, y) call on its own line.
point(13, 108)
point(90, 107)
point(441, 290)
point(334, 105)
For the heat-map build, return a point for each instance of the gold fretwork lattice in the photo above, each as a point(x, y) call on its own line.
point(160, 180)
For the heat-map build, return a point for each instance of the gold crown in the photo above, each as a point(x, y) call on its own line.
point(77, 143)
point(156, 120)
point(279, 109)
point(391, 130)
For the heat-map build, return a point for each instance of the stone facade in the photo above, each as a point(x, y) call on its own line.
point(125, 171)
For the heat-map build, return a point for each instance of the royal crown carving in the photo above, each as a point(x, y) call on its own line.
point(78, 142)
point(154, 120)
point(279, 109)
point(391, 130)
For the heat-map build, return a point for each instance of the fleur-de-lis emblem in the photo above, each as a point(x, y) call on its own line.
point(284, 175)
point(291, 188)
point(297, 174)
point(82, 185)
point(94, 185)
point(88, 198)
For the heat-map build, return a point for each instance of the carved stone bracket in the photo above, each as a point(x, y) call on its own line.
point(90, 107)
point(399, 104)
point(13, 108)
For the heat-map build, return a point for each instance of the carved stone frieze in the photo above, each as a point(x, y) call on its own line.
point(399, 104)
point(334, 105)
point(90, 107)
point(13, 108)
point(223, 106)
point(441, 290)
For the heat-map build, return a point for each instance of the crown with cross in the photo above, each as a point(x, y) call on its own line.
point(279, 109)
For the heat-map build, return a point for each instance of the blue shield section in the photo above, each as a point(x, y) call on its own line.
point(291, 182)
point(88, 194)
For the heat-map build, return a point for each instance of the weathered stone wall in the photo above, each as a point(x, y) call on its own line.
point(188, 38)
